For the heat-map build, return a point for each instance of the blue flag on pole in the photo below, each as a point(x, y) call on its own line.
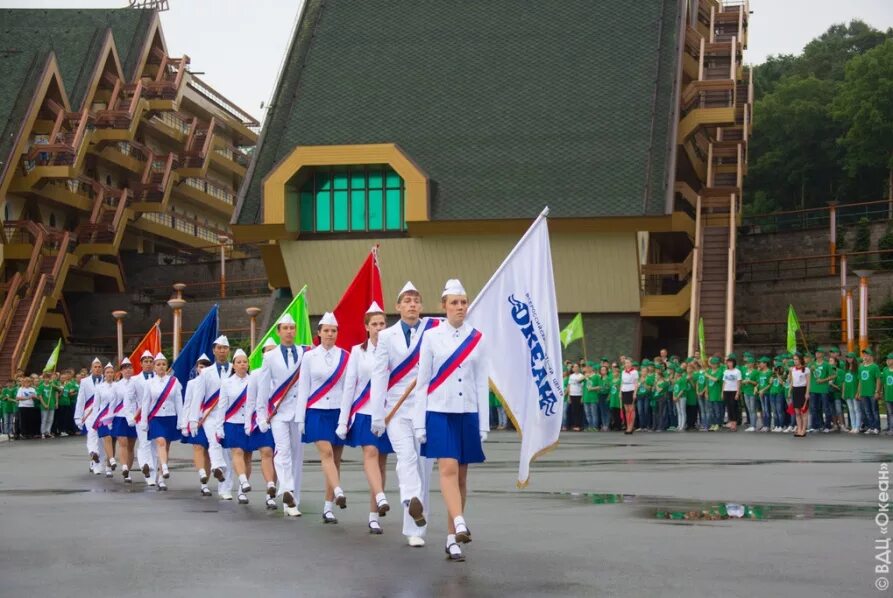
point(202, 341)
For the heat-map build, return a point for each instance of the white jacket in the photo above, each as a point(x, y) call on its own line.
point(391, 352)
point(253, 399)
point(142, 390)
point(229, 394)
point(173, 404)
point(359, 374)
point(465, 390)
point(126, 396)
point(85, 414)
point(105, 400)
point(317, 367)
point(207, 384)
point(273, 374)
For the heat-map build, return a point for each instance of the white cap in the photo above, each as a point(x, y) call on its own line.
point(125, 361)
point(239, 352)
point(203, 357)
point(222, 341)
point(146, 353)
point(269, 342)
point(453, 287)
point(160, 356)
point(407, 288)
point(95, 361)
point(285, 319)
point(375, 308)
point(328, 319)
point(109, 365)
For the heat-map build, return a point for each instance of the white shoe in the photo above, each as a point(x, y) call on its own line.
point(750, 429)
point(226, 496)
point(243, 500)
point(109, 473)
point(416, 541)
point(245, 487)
point(292, 511)
point(271, 504)
point(150, 482)
point(764, 429)
point(206, 491)
point(165, 472)
point(162, 487)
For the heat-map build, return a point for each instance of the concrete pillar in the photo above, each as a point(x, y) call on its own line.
point(119, 316)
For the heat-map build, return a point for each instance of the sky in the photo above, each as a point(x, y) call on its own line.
point(239, 45)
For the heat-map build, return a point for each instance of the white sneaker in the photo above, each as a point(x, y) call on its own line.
point(150, 482)
point(292, 511)
point(162, 486)
point(764, 429)
point(113, 464)
point(271, 504)
point(416, 541)
point(226, 496)
point(750, 429)
point(243, 500)
point(108, 473)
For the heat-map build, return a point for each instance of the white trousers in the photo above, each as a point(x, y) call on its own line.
point(94, 445)
point(219, 456)
point(413, 471)
point(146, 453)
point(288, 457)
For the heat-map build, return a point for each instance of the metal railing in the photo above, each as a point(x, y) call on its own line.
point(810, 266)
point(817, 331)
point(211, 189)
point(812, 218)
point(211, 94)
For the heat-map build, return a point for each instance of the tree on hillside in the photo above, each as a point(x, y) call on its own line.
point(865, 105)
point(826, 56)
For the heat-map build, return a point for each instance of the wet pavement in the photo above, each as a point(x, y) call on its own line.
point(690, 514)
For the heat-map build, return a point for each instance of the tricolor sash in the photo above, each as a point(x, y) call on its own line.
point(138, 415)
point(237, 404)
point(330, 382)
point(359, 403)
point(88, 407)
point(98, 421)
point(455, 360)
point(412, 358)
point(208, 405)
point(165, 393)
point(279, 394)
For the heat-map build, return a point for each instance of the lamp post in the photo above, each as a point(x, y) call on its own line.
point(223, 239)
point(177, 306)
point(119, 316)
point(844, 323)
point(863, 275)
point(252, 312)
point(178, 290)
point(850, 328)
point(832, 205)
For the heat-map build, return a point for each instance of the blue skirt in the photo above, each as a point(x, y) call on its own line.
point(164, 427)
point(259, 440)
point(120, 429)
point(453, 436)
point(235, 437)
point(320, 424)
point(360, 434)
point(104, 431)
point(200, 439)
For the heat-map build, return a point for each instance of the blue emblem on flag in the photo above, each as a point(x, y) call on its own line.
point(539, 361)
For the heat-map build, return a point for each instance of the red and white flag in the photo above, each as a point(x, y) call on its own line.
point(351, 309)
point(151, 342)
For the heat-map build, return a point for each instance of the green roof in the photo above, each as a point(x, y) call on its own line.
point(506, 105)
point(18, 77)
point(76, 37)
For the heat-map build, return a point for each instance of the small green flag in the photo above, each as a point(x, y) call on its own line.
point(702, 339)
point(573, 331)
point(54, 358)
point(303, 336)
point(793, 327)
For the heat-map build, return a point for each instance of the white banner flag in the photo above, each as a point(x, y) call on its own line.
point(518, 314)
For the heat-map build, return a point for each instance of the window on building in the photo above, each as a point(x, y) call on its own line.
point(352, 199)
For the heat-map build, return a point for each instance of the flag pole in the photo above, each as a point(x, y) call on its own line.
point(508, 258)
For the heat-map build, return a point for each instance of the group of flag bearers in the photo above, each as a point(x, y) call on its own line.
point(418, 389)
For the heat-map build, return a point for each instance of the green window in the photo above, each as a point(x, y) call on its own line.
point(364, 198)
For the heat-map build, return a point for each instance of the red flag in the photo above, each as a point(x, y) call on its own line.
point(351, 309)
point(150, 342)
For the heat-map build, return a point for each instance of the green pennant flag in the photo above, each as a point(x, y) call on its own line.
point(573, 331)
point(54, 358)
point(793, 327)
point(702, 339)
point(303, 336)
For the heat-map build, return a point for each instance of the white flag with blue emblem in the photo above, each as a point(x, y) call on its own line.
point(518, 314)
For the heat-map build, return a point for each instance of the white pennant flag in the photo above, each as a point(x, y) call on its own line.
point(518, 314)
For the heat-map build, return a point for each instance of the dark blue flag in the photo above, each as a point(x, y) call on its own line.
point(202, 341)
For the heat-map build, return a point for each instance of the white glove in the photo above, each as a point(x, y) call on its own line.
point(421, 435)
point(220, 432)
point(484, 436)
point(379, 427)
point(79, 423)
point(109, 425)
point(300, 428)
point(193, 429)
point(263, 425)
point(341, 431)
point(143, 427)
point(247, 427)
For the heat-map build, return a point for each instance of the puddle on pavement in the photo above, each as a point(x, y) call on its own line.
point(685, 510)
point(42, 492)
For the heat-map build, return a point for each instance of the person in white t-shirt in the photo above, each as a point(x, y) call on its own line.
point(799, 382)
point(731, 391)
point(629, 387)
point(575, 390)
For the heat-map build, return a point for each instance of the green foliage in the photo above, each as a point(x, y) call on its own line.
point(885, 243)
point(862, 242)
point(823, 121)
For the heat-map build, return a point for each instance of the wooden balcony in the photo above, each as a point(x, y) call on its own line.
point(198, 149)
point(60, 154)
point(207, 195)
point(230, 159)
point(152, 193)
point(164, 88)
point(120, 120)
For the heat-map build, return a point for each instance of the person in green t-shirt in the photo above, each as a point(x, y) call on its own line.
point(835, 391)
point(887, 380)
point(764, 374)
point(749, 380)
point(614, 399)
point(714, 393)
point(591, 387)
point(777, 395)
point(604, 389)
point(67, 399)
point(849, 385)
point(644, 412)
point(691, 396)
point(680, 387)
point(700, 388)
point(820, 410)
point(870, 391)
point(48, 400)
point(660, 401)
point(8, 407)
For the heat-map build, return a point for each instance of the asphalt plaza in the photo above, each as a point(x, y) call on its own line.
point(604, 515)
